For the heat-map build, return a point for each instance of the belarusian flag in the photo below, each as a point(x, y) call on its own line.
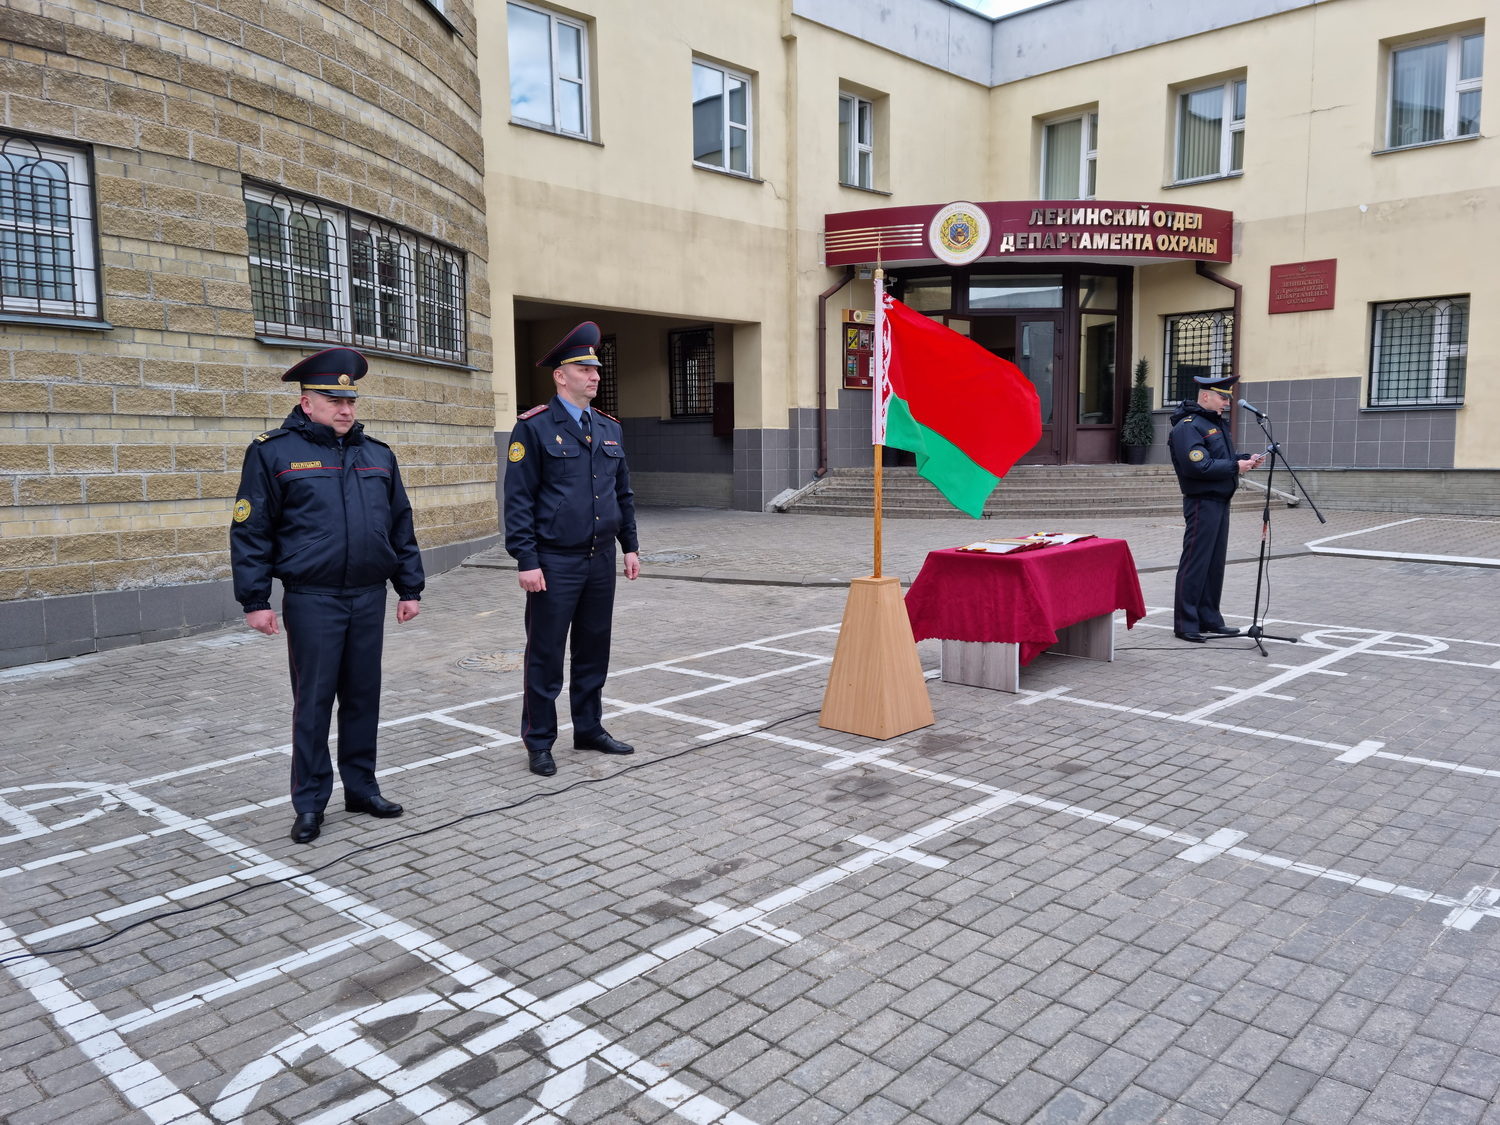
point(966, 413)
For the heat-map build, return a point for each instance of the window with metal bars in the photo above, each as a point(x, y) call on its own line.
point(1198, 345)
point(1419, 352)
point(691, 362)
point(48, 264)
point(320, 272)
point(608, 397)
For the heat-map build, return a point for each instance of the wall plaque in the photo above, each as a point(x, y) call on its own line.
point(1303, 286)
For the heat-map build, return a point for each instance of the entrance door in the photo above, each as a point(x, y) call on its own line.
point(1030, 341)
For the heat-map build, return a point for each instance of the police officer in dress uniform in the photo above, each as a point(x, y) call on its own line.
point(567, 501)
point(1208, 471)
point(322, 508)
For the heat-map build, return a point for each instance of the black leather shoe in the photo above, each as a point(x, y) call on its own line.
point(603, 743)
point(541, 762)
point(375, 805)
point(1195, 638)
point(1224, 631)
point(306, 827)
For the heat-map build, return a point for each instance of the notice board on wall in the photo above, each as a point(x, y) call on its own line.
point(859, 348)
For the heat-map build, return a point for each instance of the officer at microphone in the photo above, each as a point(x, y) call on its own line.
point(1208, 471)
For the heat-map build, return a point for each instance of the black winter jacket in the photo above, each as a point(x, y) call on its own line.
point(322, 516)
point(1203, 453)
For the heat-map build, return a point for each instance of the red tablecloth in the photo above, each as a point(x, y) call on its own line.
point(1023, 598)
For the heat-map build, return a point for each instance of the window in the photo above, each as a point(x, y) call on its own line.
point(1198, 344)
point(548, 70)
point(608, 397)
point(721, 119)
point(319, 272)
point(1419, 352)
point(47, 264)
point(856, 141)
point(1211, 131)
point(1435, 91)
point(691, 357)
point(1068, 166)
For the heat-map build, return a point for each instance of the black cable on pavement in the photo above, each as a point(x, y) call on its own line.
point(249, 887)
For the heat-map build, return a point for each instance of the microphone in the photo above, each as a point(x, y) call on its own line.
point(1257, 413)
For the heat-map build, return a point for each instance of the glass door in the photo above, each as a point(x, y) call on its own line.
point(1019, 317)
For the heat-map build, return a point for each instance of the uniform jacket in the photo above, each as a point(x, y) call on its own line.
point(563, 494)
point(1203, 453)
point(321, 518)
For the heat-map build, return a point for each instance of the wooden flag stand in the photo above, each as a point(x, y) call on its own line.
point(876, 687)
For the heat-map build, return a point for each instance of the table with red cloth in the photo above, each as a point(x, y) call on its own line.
point(1023, 598)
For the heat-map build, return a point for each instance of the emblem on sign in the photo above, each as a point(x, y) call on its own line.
point(959, 233)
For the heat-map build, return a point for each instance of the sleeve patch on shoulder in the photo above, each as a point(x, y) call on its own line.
point(517, 451)
point(241, 510)
point(1196, 455)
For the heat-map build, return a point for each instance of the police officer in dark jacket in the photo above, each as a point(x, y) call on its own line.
point(1208, 471)
point(322, 508)
point(567, 502)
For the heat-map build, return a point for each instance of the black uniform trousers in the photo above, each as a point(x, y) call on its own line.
point(1200, 573)
point(578, 604)
point(333, 644)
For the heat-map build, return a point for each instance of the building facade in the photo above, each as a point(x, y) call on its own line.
point(1303, 192)
point(194, 196)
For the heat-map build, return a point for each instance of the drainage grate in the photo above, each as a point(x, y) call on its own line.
point(669, 557)
point(493, 662)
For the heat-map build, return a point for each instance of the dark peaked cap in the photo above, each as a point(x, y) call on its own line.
point(332, 372)
point(1216, 382)
point(578, 346)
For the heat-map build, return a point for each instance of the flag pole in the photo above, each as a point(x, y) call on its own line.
point(880, 373)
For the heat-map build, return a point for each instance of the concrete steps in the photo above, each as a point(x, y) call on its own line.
point(1027, 492)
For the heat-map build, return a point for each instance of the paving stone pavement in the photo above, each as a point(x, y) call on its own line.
point(723, 546)
point(1191, 885)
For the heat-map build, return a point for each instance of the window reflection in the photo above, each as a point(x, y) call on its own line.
point(1041, 291)
point(928, 295)
point(708, 115)
point(531, 65)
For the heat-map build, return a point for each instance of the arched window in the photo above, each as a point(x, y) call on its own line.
point(47, 254)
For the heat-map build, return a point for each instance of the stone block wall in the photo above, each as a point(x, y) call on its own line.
point(120, 443)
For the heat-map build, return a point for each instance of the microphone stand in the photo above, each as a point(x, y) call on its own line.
point(1257, 632)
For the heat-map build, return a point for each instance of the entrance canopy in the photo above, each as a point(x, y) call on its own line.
point(1093, 230)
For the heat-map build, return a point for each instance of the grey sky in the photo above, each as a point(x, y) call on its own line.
point(999, 7)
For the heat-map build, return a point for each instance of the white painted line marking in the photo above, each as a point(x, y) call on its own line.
point(874, 754)
point(1475, 905)
point(1361, 531)
point(1037, 696)
point(895, 850)
point(730, 731)
point(1319, 671)
point(1261, 695)
point(1359, 752)
point(1286, 677)
point(1214, 845)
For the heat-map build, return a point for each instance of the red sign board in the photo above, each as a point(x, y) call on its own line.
point(1303, 286)
point(1090, 230)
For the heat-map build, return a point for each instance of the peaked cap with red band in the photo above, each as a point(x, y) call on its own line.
point(578, 346)
point(332, 372)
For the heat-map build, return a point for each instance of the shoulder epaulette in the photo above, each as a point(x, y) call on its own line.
point(611, 417)
point(533, 412)
point(269, 434)
point(377, 441)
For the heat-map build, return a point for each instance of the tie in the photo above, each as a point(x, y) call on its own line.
point(583, 420)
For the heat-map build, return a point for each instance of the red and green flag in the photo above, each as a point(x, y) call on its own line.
point(966, 413)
